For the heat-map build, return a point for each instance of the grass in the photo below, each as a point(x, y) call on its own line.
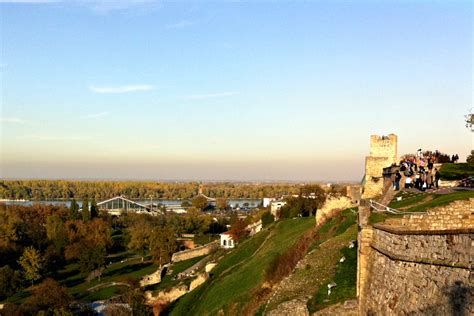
point(335, 226)
point(420, 202)
point(456, 171)
point(345, 279)
point(239, 272)
point(204, 239)
point(168, 279)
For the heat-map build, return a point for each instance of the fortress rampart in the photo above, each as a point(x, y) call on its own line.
point(418, 264)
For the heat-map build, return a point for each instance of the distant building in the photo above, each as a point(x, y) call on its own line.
point(275, 206)
point(267, 201)
point(227, 241)
point(119, 204)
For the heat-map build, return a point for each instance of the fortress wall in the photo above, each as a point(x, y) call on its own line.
point(419, 264)
point(397, 287)
point(196, 252)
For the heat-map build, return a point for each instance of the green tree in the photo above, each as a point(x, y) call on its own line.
point(470, 158)
point(94, 211)
point(56, 232)
point(162, 244)
point(267, 219)
point(32, 264)
point(85, 210)
point(73, 210)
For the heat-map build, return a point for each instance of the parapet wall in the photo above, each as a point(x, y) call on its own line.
point(419, 264)
point(196, 252)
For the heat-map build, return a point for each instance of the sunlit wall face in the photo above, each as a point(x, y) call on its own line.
point(148, 91)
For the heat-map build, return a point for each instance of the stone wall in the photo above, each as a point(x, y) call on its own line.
point(196, 252)
point(409, 288)
point(331, 207)
point(419, 264)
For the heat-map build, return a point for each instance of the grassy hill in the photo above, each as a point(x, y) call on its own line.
point(419, 202)
point(242, 271)
point(456, 171)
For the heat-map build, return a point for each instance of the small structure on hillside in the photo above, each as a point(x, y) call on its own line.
point(227, 241)
point(275, 206)
point(254, 228)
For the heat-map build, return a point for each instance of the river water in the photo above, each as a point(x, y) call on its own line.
point(252, 203)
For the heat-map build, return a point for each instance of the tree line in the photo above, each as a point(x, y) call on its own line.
point(99, 190)
point(37, 241)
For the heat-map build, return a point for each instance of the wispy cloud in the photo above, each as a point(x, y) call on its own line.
point(210, 95)
point(95, 115)
point(13, 120)
point(122, 89)
point(179, 25)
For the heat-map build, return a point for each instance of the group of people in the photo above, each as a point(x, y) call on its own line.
point(419, 172)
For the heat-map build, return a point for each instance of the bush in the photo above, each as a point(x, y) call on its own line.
point(283, 264)
point(267, 219)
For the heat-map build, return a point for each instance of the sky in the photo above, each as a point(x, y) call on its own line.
point(251, 90)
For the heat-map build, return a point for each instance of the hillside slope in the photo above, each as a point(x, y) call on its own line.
point(242, 271)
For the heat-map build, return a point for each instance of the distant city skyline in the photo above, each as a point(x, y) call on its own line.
point(228, 91)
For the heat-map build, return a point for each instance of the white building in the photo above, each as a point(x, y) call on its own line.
point(267, 201)
point(275, 206)
point(227, 241)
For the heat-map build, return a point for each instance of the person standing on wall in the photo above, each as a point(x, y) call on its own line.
point(398, 176)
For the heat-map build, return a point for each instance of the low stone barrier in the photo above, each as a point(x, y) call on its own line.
point(196, 252)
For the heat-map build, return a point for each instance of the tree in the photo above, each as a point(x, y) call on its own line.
point(50, 297)
point(140, 237)
point(32, 264)
point(200, 202)
point(73, 210)
point(56, 232)
point(85, 210)
point(238, 230)
point(222, 203)
point(10, 282)
point(94, 211)
point(470, 158)
point(267, 219)
point(162, 244)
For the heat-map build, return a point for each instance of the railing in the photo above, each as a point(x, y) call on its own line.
point(380, 208)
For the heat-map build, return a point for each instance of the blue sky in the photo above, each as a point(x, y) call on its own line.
point(237, 90)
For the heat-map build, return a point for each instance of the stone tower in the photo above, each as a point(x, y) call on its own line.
point(383, 153)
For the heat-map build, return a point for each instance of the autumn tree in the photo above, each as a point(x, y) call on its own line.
point(32, 264)
point(162, 244)
point(200, 202)
point(85, 210)
point(10, 282)
point(222, 203)
point(50, 297)
point(140, 237)
point(94, 211)
point(56, 232)
point(73, 210)
point(238, 230)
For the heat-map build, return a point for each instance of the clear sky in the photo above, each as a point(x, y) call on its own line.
point(228, 90)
